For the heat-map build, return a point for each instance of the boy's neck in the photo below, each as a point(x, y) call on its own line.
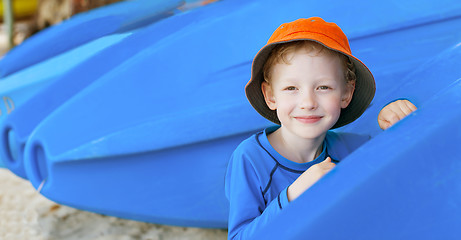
point(296, 149)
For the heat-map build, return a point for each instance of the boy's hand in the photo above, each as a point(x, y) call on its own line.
point(394, 112)
point(308, 178)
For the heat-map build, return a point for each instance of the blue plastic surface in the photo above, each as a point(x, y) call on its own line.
point(19, 88)
point(403, 184)
point(16, 129)
point(85, 27)
point(150, 136)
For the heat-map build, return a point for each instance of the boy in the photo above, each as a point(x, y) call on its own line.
point(307, 81)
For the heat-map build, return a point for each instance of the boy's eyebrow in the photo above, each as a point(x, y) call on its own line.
point(321, 81)
point(288, 79)
point(320, 78)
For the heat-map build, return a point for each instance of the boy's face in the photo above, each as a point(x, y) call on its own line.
point(308, 93)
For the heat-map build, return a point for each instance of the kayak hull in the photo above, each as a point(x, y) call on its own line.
point(83, 28)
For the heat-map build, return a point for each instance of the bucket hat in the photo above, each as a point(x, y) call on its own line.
point(330, 36)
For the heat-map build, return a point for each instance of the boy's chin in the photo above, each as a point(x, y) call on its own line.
point(308, 132)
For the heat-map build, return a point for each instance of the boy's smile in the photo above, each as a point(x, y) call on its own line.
point(308, 119)
point(308, 93)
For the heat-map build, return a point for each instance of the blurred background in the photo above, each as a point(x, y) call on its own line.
point(30, 16)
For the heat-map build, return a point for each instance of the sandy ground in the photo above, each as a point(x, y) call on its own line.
point(25, 214)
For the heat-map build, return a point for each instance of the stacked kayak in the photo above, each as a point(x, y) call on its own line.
point(20, 87)
point(73, 69)
point(144, 129)
point(85, 27)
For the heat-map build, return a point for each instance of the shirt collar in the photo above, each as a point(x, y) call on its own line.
point(286, 163)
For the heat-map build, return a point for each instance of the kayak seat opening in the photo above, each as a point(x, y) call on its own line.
point(12, 147)
point(38, 166)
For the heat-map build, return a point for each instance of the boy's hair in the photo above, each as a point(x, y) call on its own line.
point(280, 55)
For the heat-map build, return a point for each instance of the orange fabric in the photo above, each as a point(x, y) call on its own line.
point(313, 28)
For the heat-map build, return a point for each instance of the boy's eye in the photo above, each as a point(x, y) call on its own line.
point(324, 88)
point(290, 88)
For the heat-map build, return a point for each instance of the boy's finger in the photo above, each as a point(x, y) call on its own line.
point(411, 106)
point(384, 125)
point(406, 110)
point(388, 115)
point(394, 117)
point(328, 164)
point(388, 125)
point(324, 162)
point(399, 110)
point(406, 107)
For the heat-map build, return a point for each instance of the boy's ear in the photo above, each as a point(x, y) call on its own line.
point(347, 96)
point(268, 95)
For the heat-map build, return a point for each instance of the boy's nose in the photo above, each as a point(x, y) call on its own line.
point(308, 101)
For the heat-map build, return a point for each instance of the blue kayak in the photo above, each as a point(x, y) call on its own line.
point(120, 17)
point(149, 139)
point(19, 88)
point(105, 55)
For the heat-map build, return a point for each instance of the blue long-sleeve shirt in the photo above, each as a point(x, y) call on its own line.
point(258, 177)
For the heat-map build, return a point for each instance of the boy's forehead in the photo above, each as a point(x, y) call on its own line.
point(287, 52)
point(313, 52)
point(303, 65)
point(304, 59)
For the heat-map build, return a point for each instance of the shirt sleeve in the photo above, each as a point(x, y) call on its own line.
point(248, 211)
point(283, 198)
